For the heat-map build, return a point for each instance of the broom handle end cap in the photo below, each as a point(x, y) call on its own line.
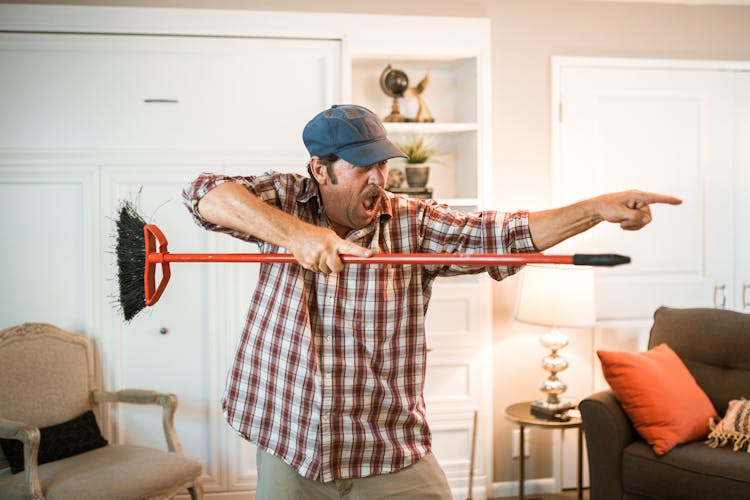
point(606, 260)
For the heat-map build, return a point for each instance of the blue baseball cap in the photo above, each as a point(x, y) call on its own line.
point(350, 132)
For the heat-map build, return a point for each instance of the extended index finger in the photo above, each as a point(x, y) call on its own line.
point(660, 198)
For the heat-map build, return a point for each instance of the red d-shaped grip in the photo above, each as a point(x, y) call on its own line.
point(153, 235)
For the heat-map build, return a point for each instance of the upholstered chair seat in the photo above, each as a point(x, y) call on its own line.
point(48, 405)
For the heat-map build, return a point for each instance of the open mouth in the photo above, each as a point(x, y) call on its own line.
point(371, 198)
point(370, 202)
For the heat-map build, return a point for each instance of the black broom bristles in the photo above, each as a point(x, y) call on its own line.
point(131, 260)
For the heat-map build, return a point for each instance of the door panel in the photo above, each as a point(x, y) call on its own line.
point(666, 131)
point(47, 252)
point(166, 347)
point(163, 92)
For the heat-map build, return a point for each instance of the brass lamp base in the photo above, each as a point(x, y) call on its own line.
point(553, 407)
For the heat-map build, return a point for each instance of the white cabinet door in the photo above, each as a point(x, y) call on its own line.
point(172, 346)
point(671, 129)
point(236, 105)
point(741, 292)
point(661, 130)
point(176, 93)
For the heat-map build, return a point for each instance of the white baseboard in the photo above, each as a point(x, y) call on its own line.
point(531, 487)
point(479, 493)
point(223, 495)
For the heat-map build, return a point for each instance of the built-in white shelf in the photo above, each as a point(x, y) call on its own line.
point(430, 128)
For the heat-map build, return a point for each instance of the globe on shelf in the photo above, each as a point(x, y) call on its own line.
point(394, 83)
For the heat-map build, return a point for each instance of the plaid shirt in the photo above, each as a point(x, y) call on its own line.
point(329, 371)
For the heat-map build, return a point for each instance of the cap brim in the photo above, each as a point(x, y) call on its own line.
point(363, 155)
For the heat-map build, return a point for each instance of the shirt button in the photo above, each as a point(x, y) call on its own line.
point(330, 300)
point(328, 377)
point(328, 337)
point(325, 419)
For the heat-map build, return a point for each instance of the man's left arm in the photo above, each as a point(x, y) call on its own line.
point(630, 209)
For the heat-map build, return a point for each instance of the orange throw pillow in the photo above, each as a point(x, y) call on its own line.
point(658, 393)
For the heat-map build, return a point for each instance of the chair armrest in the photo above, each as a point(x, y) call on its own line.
point(608, 431)
point(168, 402)
point(30, 437)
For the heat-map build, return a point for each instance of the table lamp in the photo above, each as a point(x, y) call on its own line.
point(558, 297)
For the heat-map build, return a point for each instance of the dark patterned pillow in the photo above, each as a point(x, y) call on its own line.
point(58, 441)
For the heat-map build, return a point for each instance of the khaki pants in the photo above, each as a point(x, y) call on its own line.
point(423, 480)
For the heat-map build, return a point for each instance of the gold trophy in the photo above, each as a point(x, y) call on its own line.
point(423, 114)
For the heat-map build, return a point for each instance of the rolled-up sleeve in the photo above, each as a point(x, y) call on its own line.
point(492, 232)
point(515, 237)
point(194, 191)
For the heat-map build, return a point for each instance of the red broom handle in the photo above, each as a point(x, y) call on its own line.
point(153, 235)
point(473, 259)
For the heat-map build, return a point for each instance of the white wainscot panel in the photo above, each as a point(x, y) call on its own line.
point(49, 252)
point(448, 381)
point(451, 443)
point(244, 475)
point(454, 315)
point(449, 315)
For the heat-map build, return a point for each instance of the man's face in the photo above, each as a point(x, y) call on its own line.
point(351, 196)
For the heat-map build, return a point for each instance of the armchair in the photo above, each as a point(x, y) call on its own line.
point(47, 379)
point(714, 345)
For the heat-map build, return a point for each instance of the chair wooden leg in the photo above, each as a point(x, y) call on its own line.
point(196, 491)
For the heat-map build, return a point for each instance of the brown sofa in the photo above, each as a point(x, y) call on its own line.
point(714, 344)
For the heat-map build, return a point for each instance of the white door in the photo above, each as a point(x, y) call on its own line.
point(741, 291)
point(667, 129)
point(662, 130)
point(89, 120)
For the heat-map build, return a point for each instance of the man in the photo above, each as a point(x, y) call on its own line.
point(328, 376)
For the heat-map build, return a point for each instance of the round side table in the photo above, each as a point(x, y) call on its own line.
point(520, 414)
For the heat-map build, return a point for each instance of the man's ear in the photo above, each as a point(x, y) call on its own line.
point(318, 170)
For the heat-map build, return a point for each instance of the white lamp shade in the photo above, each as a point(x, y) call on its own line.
point(559, 296)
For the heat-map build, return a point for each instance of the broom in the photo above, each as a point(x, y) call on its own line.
point(137, 258)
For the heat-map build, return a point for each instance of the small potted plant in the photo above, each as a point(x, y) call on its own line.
point(416, 168)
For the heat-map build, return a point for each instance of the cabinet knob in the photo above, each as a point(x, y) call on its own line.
point(164, 330)
point(161, 101)
point(720, 298)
